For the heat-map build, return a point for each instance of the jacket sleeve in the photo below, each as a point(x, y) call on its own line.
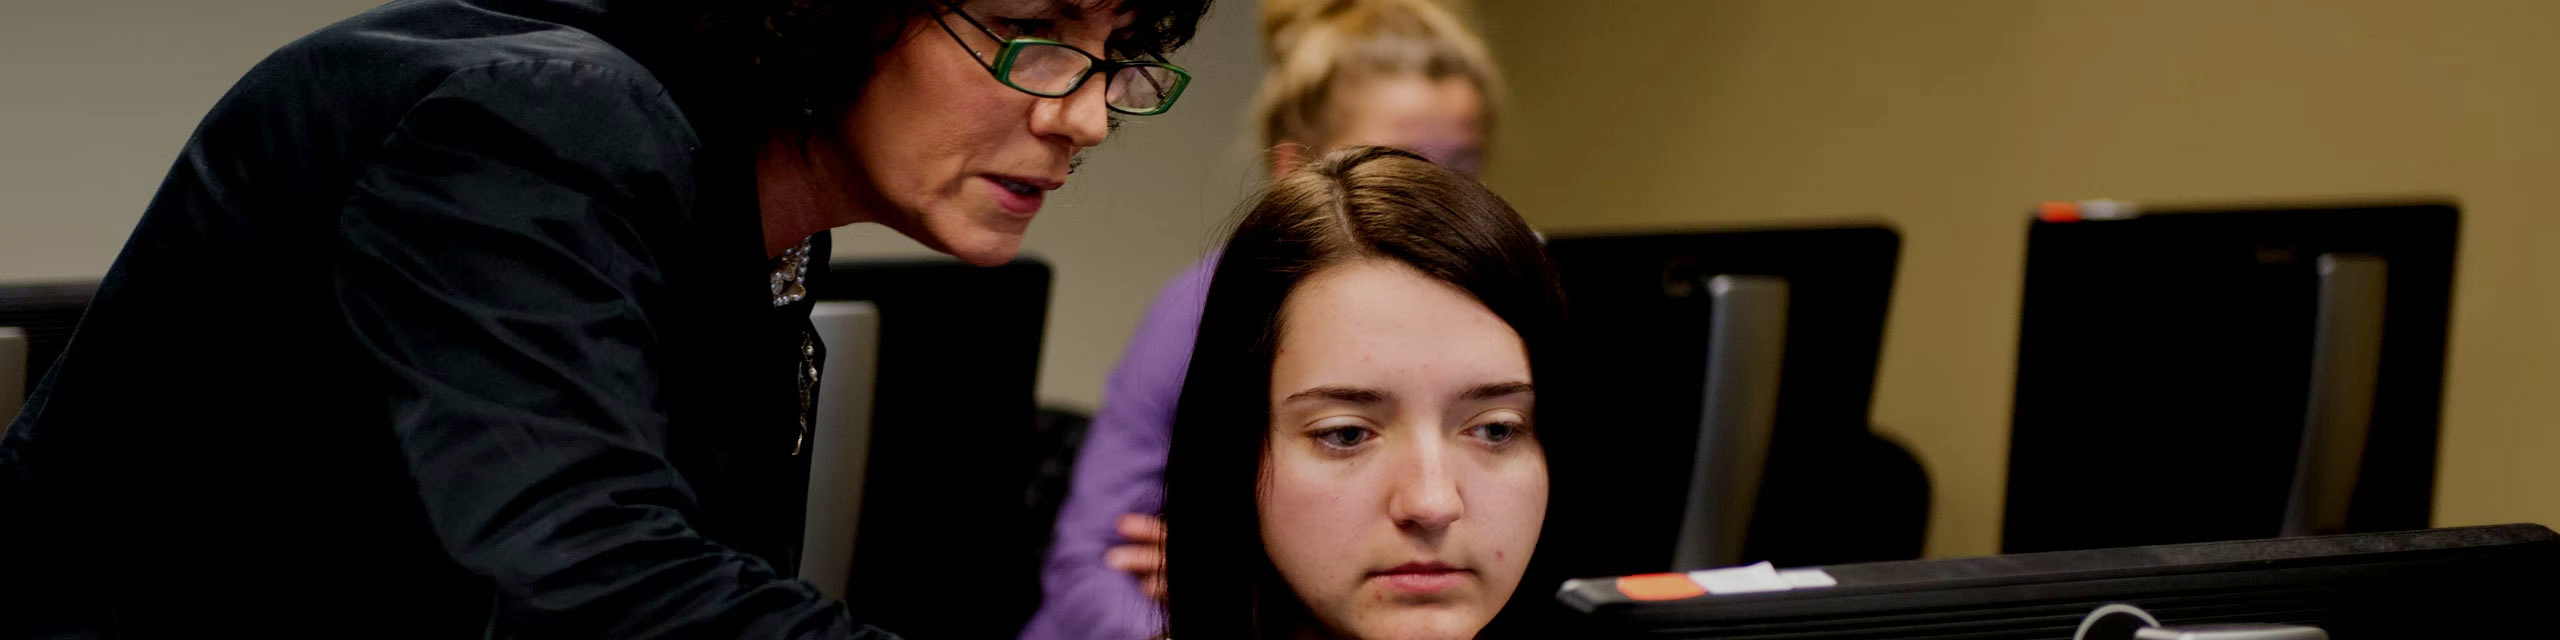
point(492, 264)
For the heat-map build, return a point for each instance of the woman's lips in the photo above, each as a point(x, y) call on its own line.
point(1421, 578)
point(1018, 195)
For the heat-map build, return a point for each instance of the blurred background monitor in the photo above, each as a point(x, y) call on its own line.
point(2228, 373)
point(2474, 582)
point(13, 372)
point(1734, 371)
point(946, 545)
point(45, 313)
point(840, 446)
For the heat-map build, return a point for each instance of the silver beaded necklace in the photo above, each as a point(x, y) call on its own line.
point(787, 289)
point(786, 279)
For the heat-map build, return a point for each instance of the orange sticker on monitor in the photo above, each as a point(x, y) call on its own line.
point(1659, 586)
point(2058, 211)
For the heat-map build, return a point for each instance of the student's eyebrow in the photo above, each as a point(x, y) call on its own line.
point(1348, 395)
point(1491, 390)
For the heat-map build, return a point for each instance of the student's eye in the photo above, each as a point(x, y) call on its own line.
point(1344, 437)
point(1499, 432)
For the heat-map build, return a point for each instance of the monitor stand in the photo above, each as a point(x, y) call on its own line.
point(1745, 344)
point(2346, 358)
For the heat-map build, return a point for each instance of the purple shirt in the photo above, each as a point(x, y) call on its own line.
point(1121, 470)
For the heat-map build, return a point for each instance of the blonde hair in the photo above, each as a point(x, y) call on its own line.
point(1314, 46)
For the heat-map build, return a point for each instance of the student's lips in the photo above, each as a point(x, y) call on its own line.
point(1421, 578)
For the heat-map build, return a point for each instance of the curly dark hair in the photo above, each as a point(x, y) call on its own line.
point(775, 63)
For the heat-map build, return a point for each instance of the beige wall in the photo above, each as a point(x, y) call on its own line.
point(97, 97)
point(1950, 117)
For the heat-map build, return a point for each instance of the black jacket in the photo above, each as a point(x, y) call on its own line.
point(449, 321)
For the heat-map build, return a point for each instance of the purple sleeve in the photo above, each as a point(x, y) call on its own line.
point(1121, 470)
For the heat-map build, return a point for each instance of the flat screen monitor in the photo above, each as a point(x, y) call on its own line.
point(2239, 372)
point(840, 451)
point(45, 314)
point(13, 373)
point(1734, 371)
point(946, 546)
point(2474, 582)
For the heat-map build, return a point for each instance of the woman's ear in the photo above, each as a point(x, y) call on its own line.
point(1286, 157)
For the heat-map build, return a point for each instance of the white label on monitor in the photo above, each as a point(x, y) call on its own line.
point(1760, 578)
point(1752, 578)
point(1808, 578)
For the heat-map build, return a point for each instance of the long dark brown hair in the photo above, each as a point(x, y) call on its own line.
point(1357, 203)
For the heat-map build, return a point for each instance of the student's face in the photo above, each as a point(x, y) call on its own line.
point(1402, 488)
point(954, 158)
point(1439, 119)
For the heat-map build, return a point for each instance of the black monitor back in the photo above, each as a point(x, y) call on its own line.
point(1641, 311)
point(947, 546)
point(2165, 363)
point(2472, 582)
point(47, 313)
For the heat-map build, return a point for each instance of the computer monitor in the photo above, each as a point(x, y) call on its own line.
point(840, 447)
point(13, 373)
point(46, 314)
point(1735, 370)
point(2474, 582)
point(2251, 371)
point(945, 546)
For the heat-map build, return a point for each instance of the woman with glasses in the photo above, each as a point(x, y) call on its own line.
point(1406, 74)
point(485, 318)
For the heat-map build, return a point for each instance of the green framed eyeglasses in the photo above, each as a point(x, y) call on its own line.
point(1052, 69)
